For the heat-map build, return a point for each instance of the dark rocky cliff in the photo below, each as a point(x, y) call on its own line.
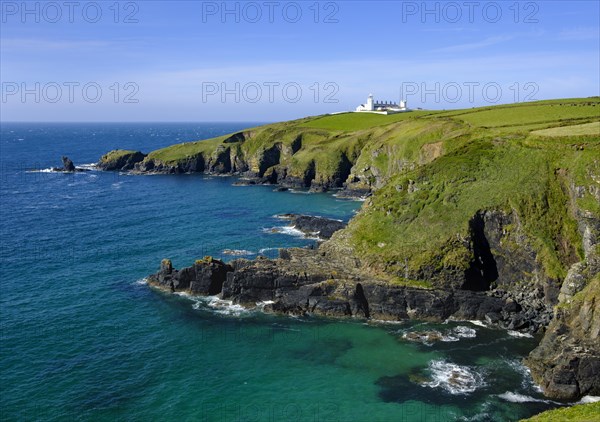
point(304, 281)
point(567, 361)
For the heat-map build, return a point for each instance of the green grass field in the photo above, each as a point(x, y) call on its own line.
point(185, 150)
point(350, 122)
point(527, 115)
point(592, 129)
point(578, 413)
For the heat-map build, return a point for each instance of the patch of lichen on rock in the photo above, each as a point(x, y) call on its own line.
point(206, 260)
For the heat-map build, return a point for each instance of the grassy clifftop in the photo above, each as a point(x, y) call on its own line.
point(364, 150)
point(433, 174)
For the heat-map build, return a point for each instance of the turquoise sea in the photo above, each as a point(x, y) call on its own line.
point(84, 338)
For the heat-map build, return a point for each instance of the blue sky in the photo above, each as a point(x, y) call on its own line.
point(270, 61)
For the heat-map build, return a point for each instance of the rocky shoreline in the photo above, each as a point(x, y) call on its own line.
point(504, 264)
point(308, 282)
point(224, 161)
point(332, 282)
point(329, 281)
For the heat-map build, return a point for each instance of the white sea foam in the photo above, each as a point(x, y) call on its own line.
point(519, 334)
point(141, 282)
point(48, 170)
point(217, 305)
point(350, 198)
point(289, 230)
point(263, 250)
point(237, 252)
point(522, 398)
point(589, 399)
point(478, 323)
point(55, 170)
point(455, 379)
point(261, 305)
point(383, 321)
point(464, 332)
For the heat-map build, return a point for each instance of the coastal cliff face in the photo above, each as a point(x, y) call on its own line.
point(567, 361)
point(275, 160)
point(488, 214)
point(298, 155)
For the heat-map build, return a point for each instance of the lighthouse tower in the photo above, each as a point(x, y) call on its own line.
point(369, 106)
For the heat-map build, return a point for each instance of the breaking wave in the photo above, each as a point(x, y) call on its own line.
point(453, 378)
point(237, 252)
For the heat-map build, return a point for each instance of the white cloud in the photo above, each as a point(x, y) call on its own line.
point(475, 45)
point(25, 45)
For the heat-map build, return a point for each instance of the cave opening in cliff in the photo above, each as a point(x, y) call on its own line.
point(483, 270)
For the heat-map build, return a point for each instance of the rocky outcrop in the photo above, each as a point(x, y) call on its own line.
point(305, 281)
point(120, 160)
point(68, 166)
point(566, 363)
point(314, 226)
point(205, 277)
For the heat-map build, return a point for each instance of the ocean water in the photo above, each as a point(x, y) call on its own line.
point(84, 338)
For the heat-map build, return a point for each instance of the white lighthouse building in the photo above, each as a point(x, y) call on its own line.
point(382, 107)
